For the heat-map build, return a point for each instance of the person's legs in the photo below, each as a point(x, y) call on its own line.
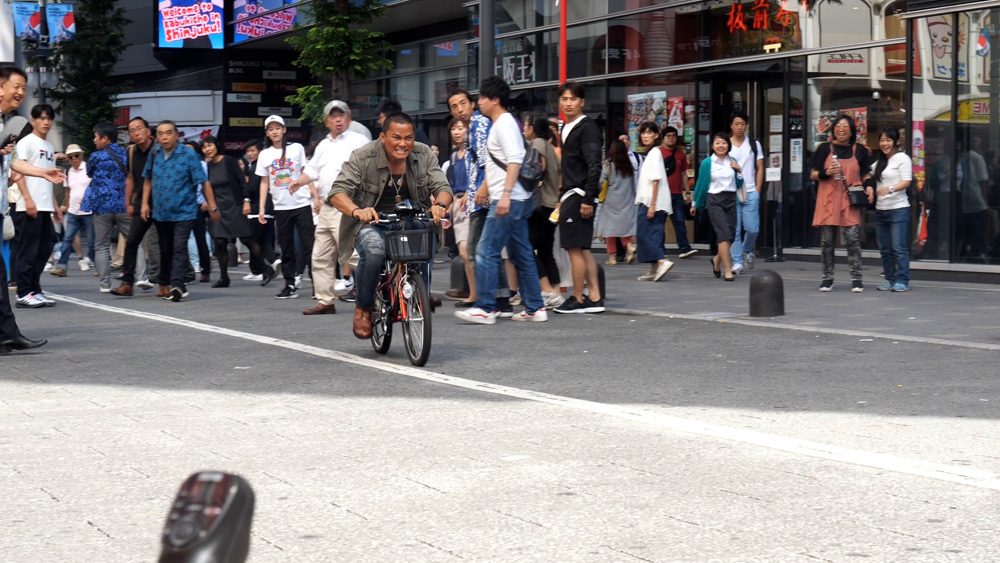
point(476, 222)
point(736, 247)
point(182, 231)
point(46, 236)
point(542, 233)
point(136, 233)
point(521, 255)
point(28, 233)
point(678, 219)
point(325, 254)
point(852, 239)
point(750, 215)
point(496, 232)
point(86, 236)
point(306, 230)
point(103, 229)
point(883, 232)
point(827, 241)
point(8, 325)
point(74, 226)
point(165, 231)
point(286, 240)
point(204, 256)
point(900, 234)
point(370, 244)
point(151, 244)
point(222, 255)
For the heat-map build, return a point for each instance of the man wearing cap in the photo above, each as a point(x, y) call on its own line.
point(77, 221)
point(321, 172)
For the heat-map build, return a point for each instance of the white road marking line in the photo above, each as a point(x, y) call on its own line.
point(954, 474)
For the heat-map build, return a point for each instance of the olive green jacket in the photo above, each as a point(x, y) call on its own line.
point(365, 174)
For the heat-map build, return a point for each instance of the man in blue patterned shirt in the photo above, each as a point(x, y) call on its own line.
point(105, 197)
point(170, 196)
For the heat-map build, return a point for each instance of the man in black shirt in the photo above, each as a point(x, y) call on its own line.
point(581, 175)
point(139, 230)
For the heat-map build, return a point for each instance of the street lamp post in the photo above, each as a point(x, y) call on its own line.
point(41, 77)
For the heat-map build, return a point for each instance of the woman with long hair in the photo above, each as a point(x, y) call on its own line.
point(617, 218)
point(718, 179)
point(892, 173)
point(837, 165)
point(649, 137)
point(541, 231)
point(228, 184)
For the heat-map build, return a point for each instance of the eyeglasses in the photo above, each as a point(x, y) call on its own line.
point(75, 156)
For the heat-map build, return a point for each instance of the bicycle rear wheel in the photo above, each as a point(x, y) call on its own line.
point(381, 323)
point(416, 318)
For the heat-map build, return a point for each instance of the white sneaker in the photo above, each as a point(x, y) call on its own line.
point(737, 269)
point(477, 315)
point(298, 282)
point(254, 277)
point(662, 268)
point(144, 284)
point(539, 316)
point(342, 286)
point(648, 276)
point(84, 266)
point(105, 290)
point(89, 261)
point(515, 300)
point(48, 267)
point(30, 301)
point(553, 299)
point(45, 299)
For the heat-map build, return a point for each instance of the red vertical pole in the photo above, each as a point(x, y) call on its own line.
point(562, 47)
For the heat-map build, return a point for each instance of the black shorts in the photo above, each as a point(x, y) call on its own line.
point(575, 231)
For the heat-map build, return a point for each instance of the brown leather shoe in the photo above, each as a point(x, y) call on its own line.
point(124, 290)
point(164, 291)
point(458, 294)
point(321, 309)
point(205, 278)
point(362, 323)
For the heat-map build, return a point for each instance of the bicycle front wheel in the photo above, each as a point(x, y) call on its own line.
point(381, 323)
point(416, 315)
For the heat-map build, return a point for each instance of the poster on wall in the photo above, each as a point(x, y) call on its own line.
point(190, 24)
point(860, 116)
point(823, 126)
point(982, 58)
point(651, 106)
point(27, 20)
point(62, 25)
point(795, 156)
point(919, 155)
point(675, 113)
point(249, 27)
point(943, 39)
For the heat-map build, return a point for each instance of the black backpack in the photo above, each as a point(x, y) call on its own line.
point(532, 172)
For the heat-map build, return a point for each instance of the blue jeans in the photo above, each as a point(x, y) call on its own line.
point(678, 218)
point(893, 229)
point(748, 220)
point(82, 224)
point(510, 230)
point(370, 244)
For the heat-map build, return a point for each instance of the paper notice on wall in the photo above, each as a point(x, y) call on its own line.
point(775, 124)
point(775, 143)
point(795, 156)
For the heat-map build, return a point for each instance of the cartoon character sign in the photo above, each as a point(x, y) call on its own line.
point(944, 40)
point(941, 36)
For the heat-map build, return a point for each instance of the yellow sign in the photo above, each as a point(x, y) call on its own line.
point(969, 111)
point(246, 122)
point(249, 87)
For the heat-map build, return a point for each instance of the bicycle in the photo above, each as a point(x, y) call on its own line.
point(401, 295)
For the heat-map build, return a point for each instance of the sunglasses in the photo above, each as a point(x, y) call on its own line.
point(75, 156)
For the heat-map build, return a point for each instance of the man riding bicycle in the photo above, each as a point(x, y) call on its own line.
point(377, 176)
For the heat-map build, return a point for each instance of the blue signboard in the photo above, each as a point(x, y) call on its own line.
point(191, 24)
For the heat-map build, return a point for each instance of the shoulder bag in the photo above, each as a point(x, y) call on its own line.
point(741, 189)
point(856, 194)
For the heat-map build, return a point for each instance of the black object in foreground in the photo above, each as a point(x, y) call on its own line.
point(209, 520)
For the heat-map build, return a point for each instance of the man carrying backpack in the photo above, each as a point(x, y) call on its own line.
point(750, 156)
point(510, 209)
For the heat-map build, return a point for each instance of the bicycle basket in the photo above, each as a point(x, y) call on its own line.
point(409, 246)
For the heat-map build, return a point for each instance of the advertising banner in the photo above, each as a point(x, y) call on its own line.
point(860, 116)
point(190, 24)
point(675, 113)
point(27, 20)
point(650, 106)
point(250, 26)
point(62, 25)
point(255, 86)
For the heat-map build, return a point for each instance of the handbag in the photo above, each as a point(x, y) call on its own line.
point(857, 196)
point(13, 194)
point(604, 185)
point(741, 190)
point(8, 227)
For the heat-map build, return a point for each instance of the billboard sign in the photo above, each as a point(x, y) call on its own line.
point(190, 24)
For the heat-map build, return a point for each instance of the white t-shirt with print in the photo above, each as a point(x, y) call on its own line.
point(506, 144)
point(39, 152)
point(281, 174)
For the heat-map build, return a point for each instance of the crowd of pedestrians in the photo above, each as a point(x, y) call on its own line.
point(160, 192)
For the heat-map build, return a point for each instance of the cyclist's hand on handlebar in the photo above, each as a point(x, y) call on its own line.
point(437, 212)
point(367, 215)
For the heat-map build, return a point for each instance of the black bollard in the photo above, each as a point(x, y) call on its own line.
point(457, 273)
point(600, 281)
point(767, 294)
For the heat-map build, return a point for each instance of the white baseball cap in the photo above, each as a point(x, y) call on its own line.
point(274, 119)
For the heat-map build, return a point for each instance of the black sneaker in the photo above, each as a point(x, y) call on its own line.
point(176, 294)
point(289, 292)
point(350, 297)
point(857, 286)
point(827, 285)
point(269, 275)
point(571, 306)
point(505, 308)
point(593, 306)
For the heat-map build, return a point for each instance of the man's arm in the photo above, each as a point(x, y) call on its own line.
point(147, 190)
point(590, 145)
point(129, 189)
point(759, 167)
point(53, 175)
point(29, 203)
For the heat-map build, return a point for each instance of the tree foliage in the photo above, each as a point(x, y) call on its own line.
point(86, 93)
point(339, 47)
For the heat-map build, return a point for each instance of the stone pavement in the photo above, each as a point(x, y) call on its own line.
point(933, 311)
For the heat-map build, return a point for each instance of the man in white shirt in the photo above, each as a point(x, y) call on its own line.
point(320, 173)
point(35, 211)
point(507, 221)
point(77, 221)
point(750, 156)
